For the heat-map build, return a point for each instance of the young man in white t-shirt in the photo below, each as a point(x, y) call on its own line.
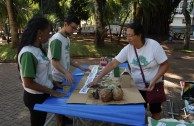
point(59, 54)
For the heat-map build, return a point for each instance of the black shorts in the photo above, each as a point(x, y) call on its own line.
point(37, 118)
point(154, 108)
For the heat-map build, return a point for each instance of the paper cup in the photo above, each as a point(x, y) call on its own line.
point(66, 88)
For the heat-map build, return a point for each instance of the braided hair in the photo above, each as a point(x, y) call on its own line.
point(30, 33)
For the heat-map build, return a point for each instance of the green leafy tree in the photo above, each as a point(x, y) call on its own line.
point(79, 8)
point(116, 12)
point(12, 23)
point(56, 7)
point(126, 4)
point(3, 15)
point(186, 9)
point(20, 11)
point(111, 12)
point(24, 10)
point(156, 16)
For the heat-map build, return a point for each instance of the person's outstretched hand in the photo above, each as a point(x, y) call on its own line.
point(93, 83)
point(85, 69)
point(69, 78)
point(151, 86)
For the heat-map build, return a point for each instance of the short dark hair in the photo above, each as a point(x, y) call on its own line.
point(138, 29)
point(70, 18)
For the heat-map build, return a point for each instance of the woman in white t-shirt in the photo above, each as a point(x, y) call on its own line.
point(152, 58)
point(34, 67)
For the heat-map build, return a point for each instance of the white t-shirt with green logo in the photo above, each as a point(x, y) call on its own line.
point(151, 55)
point(59, 49)
point(34, 64)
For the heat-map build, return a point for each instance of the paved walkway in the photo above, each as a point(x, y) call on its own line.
point(14, 113)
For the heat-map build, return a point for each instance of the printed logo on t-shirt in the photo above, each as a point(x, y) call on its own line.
point(67, 47)
point(143, 61)
point(44, 57)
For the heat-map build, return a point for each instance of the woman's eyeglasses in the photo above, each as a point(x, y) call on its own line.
point(130, 36)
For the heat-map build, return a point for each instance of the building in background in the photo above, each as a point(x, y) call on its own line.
point(177, 27)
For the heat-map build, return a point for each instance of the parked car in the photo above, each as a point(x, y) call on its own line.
point(90, 29)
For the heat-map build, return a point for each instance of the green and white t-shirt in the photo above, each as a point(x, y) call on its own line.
point(34, 64)
point(59, 49)
point(151, 55)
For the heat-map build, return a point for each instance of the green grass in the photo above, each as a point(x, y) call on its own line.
point(88, 49)
point(78, 49)
point(186, 51)
point(7, 53)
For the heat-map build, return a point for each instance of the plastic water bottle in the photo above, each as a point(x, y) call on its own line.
point(117, 72)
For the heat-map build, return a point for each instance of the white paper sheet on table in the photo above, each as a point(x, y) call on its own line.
point(90, 78)
point(79, 74)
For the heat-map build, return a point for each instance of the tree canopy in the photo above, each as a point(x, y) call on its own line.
point(155, 15)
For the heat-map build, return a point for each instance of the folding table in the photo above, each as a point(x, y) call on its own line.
point(129, 114)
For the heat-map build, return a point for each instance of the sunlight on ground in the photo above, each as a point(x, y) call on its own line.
point(22, 114)
point(171, 85)
point(80, 40)
point(171, 75)
point(187, 57)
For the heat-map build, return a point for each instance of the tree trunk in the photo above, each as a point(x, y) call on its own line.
point(138, 12)
point(12, 23)
point(156, 18)
point(99, 36)
point(109, 29)
point(122, 27)
point(188, 25)
point(156, 24)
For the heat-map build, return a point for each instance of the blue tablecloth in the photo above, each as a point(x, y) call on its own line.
point(129, 114)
